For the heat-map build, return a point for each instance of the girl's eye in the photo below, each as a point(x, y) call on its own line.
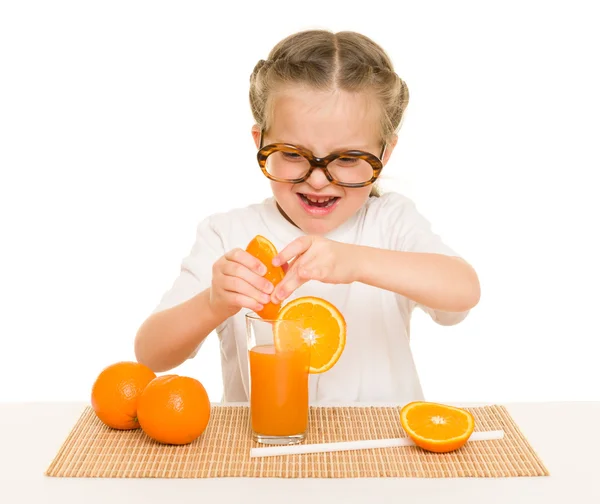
point(292, 156)
point(348, 161)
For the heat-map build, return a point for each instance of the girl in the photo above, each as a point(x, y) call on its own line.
point(373, 256)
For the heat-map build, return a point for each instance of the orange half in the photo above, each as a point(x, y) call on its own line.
point(261, 248)
point(321, 327)
point(437, 427)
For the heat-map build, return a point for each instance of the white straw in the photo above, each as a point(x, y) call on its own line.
point(356, 445)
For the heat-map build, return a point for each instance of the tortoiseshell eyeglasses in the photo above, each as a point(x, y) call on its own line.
point(288, 163)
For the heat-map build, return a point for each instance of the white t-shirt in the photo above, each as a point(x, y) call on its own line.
point(376, 364)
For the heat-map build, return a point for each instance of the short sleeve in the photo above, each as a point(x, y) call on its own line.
point(195, 273)
point(412, 232)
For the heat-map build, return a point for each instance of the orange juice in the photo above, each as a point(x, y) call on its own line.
point(279, 391)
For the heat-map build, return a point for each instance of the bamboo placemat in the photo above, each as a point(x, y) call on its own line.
point(94, 450)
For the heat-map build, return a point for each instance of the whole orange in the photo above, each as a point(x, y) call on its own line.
point(116, 391)
point(174, 409)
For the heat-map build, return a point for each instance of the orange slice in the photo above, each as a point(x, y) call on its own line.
point(261, 248)
point(321, 327)
point(437, 427)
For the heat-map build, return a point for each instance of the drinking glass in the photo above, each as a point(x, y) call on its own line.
point(279, 372)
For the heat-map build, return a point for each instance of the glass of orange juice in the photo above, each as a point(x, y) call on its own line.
point(278, 381)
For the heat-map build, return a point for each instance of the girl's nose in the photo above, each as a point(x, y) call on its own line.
point(317, 179)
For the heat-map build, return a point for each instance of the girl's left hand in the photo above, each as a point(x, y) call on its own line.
point(316, 258)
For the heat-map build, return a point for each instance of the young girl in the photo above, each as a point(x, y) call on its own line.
point(373, 256)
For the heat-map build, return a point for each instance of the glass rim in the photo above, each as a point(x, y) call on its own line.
point(252, 315)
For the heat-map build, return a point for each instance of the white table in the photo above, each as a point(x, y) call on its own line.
point(561, 433)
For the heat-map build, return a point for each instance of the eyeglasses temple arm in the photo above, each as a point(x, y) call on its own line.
point(383, 152)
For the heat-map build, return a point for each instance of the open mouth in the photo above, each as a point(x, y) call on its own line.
point(318, 202)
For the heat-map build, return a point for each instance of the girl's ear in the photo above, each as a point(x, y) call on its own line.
point(256, 134)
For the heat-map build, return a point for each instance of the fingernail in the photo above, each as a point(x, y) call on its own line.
point(276, 261)
point(262, 270)
point(265, 298)
point(269, 288)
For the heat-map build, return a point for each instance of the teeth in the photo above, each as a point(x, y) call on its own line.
point(318, 200)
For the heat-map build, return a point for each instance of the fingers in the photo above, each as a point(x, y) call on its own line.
point(241, 301)
point(246, 259)
point(238, 270)
point(238, 276)
point(295, 248)
point(294, 278)
point(245, 293)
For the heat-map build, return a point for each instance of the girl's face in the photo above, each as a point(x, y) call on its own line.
point(322, 122)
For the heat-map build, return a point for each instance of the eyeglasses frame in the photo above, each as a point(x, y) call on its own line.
point(319, 162)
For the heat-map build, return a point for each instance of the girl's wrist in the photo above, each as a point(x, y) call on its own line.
point(216, 314)
point(360, 257)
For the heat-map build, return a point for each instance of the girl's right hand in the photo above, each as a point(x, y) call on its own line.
point(237, 283)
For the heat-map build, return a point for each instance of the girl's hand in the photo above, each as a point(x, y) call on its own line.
point(314, 258)
point(237, 283)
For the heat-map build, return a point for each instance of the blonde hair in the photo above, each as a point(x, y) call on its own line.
point(325, 60)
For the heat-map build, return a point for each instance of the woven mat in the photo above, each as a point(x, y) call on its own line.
point(223, 450)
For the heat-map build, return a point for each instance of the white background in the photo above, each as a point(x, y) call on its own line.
point(110, 116)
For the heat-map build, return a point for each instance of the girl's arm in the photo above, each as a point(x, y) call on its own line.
point(167, 338)
point(212, 287)
point(440, 282)
point(411, 261)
